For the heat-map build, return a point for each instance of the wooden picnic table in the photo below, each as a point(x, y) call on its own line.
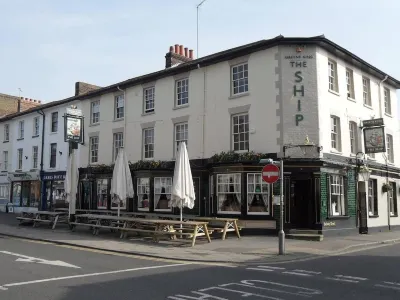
point(191, 229)
point(50, 217)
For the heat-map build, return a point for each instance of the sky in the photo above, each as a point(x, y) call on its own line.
point(48, 45)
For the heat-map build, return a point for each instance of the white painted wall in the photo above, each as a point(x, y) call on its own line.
point(4, 174)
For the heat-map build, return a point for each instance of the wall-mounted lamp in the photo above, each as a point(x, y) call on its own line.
point(60, 152)
point(26, 157)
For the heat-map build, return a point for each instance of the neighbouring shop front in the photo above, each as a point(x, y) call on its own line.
point(4, 190)
point(53, 192)
point(25, 191)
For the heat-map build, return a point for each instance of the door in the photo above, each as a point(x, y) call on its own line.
point(302, 212)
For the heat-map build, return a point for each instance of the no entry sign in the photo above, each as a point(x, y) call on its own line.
point(270, 173)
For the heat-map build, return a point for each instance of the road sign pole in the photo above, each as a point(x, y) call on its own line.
point(281, 232)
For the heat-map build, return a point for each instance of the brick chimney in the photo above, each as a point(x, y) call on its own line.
point(178, 55)
point(84, 88)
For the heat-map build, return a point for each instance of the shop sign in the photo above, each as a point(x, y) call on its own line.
point(23, 176)
point(53, 177)
point(374, 139)
point(73, 126)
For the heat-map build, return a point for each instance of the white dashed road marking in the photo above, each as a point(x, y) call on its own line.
point(308, 272)
point(274, 268)
point(341, 279)
point(257, 269)
point(298, 274)
point(351, 277)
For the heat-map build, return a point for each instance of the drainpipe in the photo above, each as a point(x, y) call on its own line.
point(380, 96)
point(204, 112)
point(42, 187)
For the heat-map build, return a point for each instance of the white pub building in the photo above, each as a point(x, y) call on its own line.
point(308, 101)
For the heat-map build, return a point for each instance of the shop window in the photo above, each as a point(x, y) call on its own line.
point(4, 194)
point(257, 195)
point(229, 193)
point(25, 193)
point(336, 196)
point(102, 193)
point(393, 200)
point(143, 193)
point(115, 200)
point(35, 194)
point(16, 193)
point(162, 193)
point(53, 155)
point(372, 197)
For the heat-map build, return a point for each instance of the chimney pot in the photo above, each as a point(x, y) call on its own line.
point(171, 49)
point(176, 48)
point(191, 54)
point(186, 52)
point(181, 50)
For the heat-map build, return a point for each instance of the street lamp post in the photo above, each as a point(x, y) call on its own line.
point(363, 171)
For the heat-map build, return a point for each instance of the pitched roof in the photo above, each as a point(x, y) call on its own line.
point(320, 41)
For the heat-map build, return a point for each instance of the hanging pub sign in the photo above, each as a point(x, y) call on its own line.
point(73, 125)
point(374, 139)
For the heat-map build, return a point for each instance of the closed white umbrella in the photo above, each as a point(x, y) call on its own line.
point(71, 183)
point(121, 184)
point(182, 187)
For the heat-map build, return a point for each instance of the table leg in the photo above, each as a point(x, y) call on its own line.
point(236, 229)
point(158, 228)
point(194, 235)
point(96, 229)
point(225, 230)
point(55, 222)
point(122, 235)
point(36, 218)
point(207, 233)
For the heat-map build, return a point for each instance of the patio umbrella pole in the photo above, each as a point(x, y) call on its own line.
point(181, 215)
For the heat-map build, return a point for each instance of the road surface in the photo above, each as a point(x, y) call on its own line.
point(40, 271)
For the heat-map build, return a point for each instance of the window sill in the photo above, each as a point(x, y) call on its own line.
point(241, 151)
point(338, 218)
point(20, 139)
point(394, 216)
point(148, 159)
point(118, 120)
point(143, 209)
point(148, 113)
point(94, 124)
point(336, 152)
point(35, 136)
point(373, 216)
point(181, 106)
point(239, 95)
point(351, 99)
point(333, 92)
point(6, 141)
point(388, 115)
point(54, 132)
point(367, 106)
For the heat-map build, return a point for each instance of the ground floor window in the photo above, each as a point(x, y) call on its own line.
point(229, 193)
point(162, 193)
point(117, 203)
point(143, 193)
point(55, 194)
point(372, 197)
point(336, 196)
point(257, 194)
point(102, 193)
point(26, 193)
point(393, 199)
point(4, 193)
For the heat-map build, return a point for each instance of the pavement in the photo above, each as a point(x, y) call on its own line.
point(46, 271)
point(248, 249)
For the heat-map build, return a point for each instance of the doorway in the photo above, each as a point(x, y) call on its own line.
point(302, 204)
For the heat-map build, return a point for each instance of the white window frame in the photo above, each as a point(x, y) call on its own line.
point(149, 100)
point(182, 92)
point(366, 83)
point(372, 200)
point(240, 79)
point(238, 129)
point(6, 132)
point(387, 101)
point(118, 143)
point(143, 188)
point(159, 183)
point(148, 143)
point(54, 122)
point(389, 148)
point(336, 188)
point(20, 154)
point(95, 112)
point(100, 188)
point(350, 83)
point(181, 134)
point(5, 191)
point(21, 130)
point(335, 133)
point(36, 126)
point(332, 76)
point(223, 189)
point(93, 149)
point(353, 132)
point(254, 180)
point(35, 157)
point(5, 160)
point(119, 110)
point(55, 156)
